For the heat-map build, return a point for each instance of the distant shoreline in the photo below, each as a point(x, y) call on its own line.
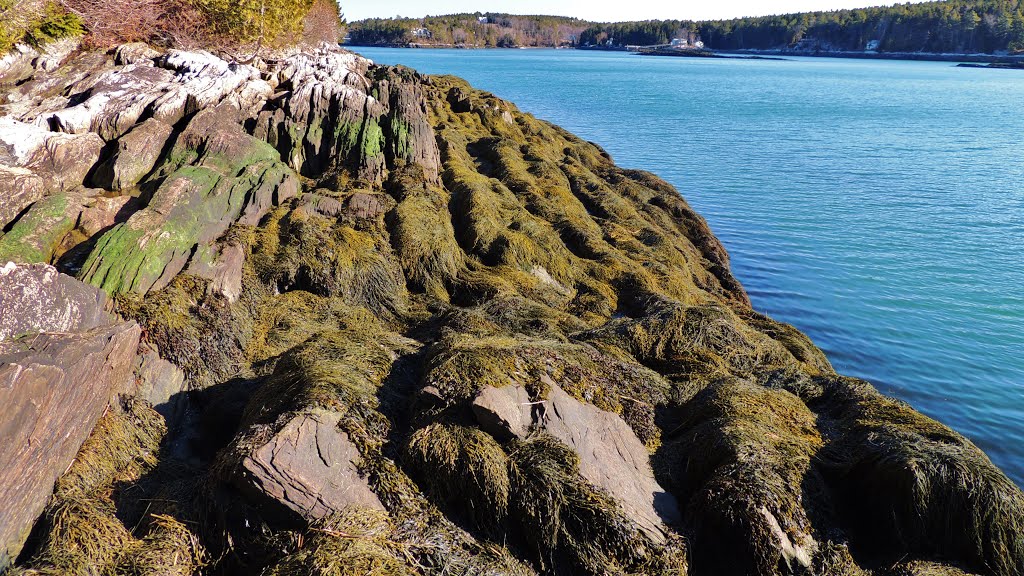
point(921, 56)
point(860, 55)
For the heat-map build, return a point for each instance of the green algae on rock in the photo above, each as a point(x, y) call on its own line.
point(423, 332)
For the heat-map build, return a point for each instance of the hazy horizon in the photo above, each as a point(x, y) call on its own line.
point(599, 11)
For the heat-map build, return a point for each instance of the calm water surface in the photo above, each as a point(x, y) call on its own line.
point(878, 206)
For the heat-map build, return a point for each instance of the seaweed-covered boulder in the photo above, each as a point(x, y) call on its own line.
point(54, 385)
point(610, 454)
point(309, 467)
point(905, 482)
point(741, 457)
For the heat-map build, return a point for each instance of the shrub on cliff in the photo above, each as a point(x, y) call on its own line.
point(272, 22)
point(35, 23)
point(164, 22)
point(180, 23)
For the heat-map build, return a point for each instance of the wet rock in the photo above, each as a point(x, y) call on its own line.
point(610, 455)
point(53, 386)
point(308, 467)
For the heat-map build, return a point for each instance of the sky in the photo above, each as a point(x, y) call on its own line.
point(598, 10)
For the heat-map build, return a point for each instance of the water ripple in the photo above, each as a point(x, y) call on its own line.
point(878, 206)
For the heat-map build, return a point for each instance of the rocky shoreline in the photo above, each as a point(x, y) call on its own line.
point(311, 315)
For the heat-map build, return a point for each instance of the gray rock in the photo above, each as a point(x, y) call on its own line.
point(225, 272)
point(54, 386)
point(55, 53)
point(611, 455)
point(102, 212)
point(135, 53)
point(115, 103)
point(37, 298)
point(19, 189)
point(16, 65)
point(314, 203)
point(62, 160)
point(136, 154)
point(362, 205)
point(308, 467)
point(504, 413)
point(159, 382)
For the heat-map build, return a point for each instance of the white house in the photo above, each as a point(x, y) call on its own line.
point(698, 44)
point(482, 20)
point(679, 43)
point(421, 33)
point(872, 45)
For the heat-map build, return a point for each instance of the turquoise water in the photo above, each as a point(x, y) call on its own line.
point(876, 205)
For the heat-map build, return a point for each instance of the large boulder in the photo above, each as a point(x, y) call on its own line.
point(37, 234)
point(115, 103)
point(309, 466)
point(219, 176)
point(611, 456)
point(19, 189)
point(136, 154)
point(62, 160)
point(37, 298)
point(54, 385)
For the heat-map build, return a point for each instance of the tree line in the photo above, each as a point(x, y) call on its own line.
point(949, 26)
point(481, 30)
point(955, 26)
